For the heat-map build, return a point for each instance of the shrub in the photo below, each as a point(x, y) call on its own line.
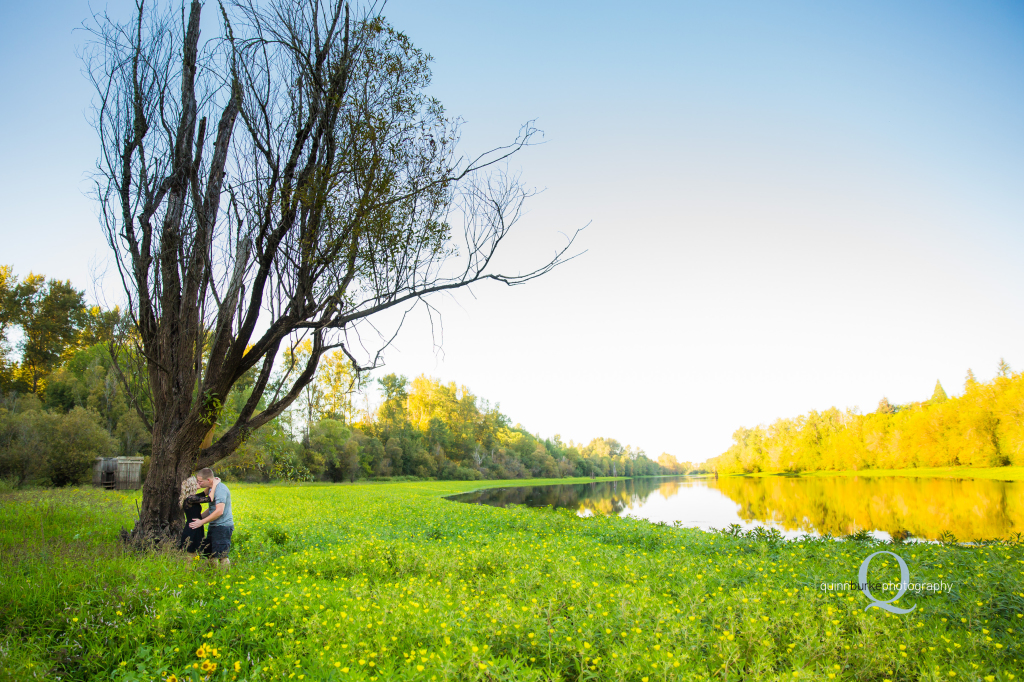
point(277, 535)
point(75, 441)
point(466, 474)
point(37, 446)
point(23, 443)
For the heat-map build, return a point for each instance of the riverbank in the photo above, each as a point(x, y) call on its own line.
point(994, 473)
point(392, 582)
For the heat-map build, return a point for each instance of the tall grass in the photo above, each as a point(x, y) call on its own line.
point(391, 582)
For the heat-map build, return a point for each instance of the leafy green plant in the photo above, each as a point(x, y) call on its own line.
point(277, 535)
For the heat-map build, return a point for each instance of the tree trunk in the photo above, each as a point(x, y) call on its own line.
point(171, 462)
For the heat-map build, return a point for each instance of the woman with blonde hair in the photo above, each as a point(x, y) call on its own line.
point(192, 540)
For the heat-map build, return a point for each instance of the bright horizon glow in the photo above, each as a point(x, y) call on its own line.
point(793, 206)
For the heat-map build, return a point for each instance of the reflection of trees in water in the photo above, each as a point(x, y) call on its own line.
point(606, 497)
point(970, 509)
point(668, 489)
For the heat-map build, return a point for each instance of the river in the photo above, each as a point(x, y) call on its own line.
point(923, 508)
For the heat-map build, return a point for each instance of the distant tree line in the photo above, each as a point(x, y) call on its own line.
point(61, 406)
point(422, 428)
point(983, 427)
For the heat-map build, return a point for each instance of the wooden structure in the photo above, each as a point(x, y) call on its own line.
point(117, 473)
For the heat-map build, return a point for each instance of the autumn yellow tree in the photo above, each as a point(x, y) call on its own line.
point(983, 427)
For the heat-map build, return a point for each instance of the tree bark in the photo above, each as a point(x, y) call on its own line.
point(159, 515)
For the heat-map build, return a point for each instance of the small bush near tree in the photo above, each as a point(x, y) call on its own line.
point(76, 440)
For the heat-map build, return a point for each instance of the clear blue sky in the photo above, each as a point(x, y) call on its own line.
point(792, 205)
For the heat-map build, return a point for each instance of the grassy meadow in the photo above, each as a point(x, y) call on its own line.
point(392, 582)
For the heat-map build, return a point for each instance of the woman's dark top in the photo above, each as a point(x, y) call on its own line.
point(193, 540)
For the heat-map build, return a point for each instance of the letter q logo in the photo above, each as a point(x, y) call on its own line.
point(887, 604)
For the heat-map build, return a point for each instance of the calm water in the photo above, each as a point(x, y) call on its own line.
point(970, 509)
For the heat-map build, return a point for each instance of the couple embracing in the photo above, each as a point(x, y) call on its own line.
point(205, 488)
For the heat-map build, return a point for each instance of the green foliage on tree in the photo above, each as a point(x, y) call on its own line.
point(395, 391)
point(54, 322)
point(52, 317)
point(10, 314)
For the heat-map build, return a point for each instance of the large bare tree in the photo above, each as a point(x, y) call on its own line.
point(285, 179)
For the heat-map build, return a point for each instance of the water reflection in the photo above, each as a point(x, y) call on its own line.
point(970, 509)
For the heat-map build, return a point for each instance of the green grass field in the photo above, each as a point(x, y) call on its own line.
point(996, 473)
point(391, 582)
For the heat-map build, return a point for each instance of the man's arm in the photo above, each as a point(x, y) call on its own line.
point(216, 514)
point(213, 516)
